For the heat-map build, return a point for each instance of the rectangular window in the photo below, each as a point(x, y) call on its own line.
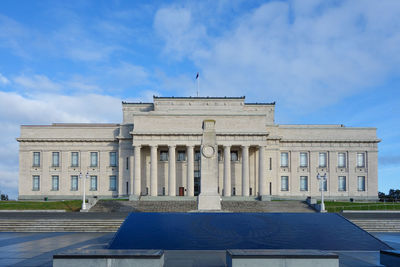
point(303, 183)
point(270, 164)
point(113, 183)
point(113, 159)
point(55, 159)
point(342, 160)
point(36, 183)
point(322, 160)
point(324, 185)
point(74, 159)
point(36, 159)
point(163, 155)
point(74, 183)
point(360, 160)
point(54, 183)
point(181, 155)
point(361, 183)
point(284, 159)
point(234, 156)
point(93, 183)
point(342, 183)
point(93, 159)
point(197, 156)
point(196, 174)
point(284, 183)
point(219, 155)
point(303, 159)
point(127, 163)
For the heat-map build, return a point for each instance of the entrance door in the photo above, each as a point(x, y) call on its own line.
point(181, 191)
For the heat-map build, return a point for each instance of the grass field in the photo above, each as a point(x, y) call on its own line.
point(332, 206)
point(68, 205)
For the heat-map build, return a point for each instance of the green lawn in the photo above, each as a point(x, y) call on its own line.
point(68, 205)
point(332, 206)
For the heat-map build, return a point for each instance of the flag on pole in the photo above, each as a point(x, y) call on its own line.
point(197, 75)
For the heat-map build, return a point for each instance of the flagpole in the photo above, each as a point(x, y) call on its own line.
point(198, 85)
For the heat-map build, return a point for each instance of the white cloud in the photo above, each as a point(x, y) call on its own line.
point(37, 82)
point(3, 80)
point(307, 54)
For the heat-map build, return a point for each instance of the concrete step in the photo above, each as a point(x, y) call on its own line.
point(378, 225)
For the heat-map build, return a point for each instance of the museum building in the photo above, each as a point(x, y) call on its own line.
point(155, 151)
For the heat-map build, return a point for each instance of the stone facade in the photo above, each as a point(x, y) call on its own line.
point(155, 151)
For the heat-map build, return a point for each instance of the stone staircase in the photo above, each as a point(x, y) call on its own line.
point(378, 225)
point(190, 205)
point(54, 225)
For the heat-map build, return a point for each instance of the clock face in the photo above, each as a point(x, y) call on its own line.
point(208, 151)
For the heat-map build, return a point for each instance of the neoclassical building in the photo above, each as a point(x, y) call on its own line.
point(155, 151)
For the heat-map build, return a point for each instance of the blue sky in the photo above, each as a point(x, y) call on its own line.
point(323, 62)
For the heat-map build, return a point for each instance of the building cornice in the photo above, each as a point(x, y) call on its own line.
point(66, 139)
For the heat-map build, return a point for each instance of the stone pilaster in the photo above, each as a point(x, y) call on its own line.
point(227, 171)
point(171, 171)
point(153, 171)
point(245, 171)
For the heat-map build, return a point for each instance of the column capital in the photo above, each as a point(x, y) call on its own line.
point(245, 146)
point(171, 146)
point(154, 146)
point(226, 146)
point(192, 146)
point(137, 145)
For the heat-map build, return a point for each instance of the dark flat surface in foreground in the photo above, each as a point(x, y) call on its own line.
point(37, 249)
point(221, 231)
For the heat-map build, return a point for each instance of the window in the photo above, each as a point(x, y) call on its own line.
point(127, 163)
point(342, 160)
point(55, 159)
point(113, 183)
point(284, 159)
point(163, 155)
point(93, 183)
point(196, 174)
point(234, 155)
point(360, 160)
point(36, 159)
point(197, 156)
point(113, 159)
point(36, 183)
point(270, 164)
point(219, 155)
point(54, 183)
point(303, 159)
point(361, 183)
point(322, 160)
point(93, 159)
point(342, 183)
point(181, 155)
point(303, 183)
point(324, 185)
point(284, 183)
point(74, 159)
point(74, 183)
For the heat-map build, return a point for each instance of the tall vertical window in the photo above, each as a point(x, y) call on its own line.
point(113, 183)
point(324, 185)
point(361, 183)
point(36, 159)
point(342, 160)
point(93, 183)
point(234, 155)
point(74, 183)
point(54, 183)
point(127, 163)
point(303, 183)
point(197, 156)
point(181, 155)
point(303, 159)
point(163, 155)
point(113, 159)
point(74, 159)
point(284, 183)
point(93, 159)
point(342, 183)
point(219, 155)
point(322, 160)
point(36, 183)
point(284, 159)
point(360, 160)
point(55, 159)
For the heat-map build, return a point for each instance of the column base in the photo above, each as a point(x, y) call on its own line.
point(266, 198)
point(134, 198)
point(208, 202)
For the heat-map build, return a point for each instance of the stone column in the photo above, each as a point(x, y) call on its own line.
point(190, 171)
point(153, 171)
point(227, 171)
point(171, 171)
point(137, 176)
point(262, 182)
point(245, 171)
